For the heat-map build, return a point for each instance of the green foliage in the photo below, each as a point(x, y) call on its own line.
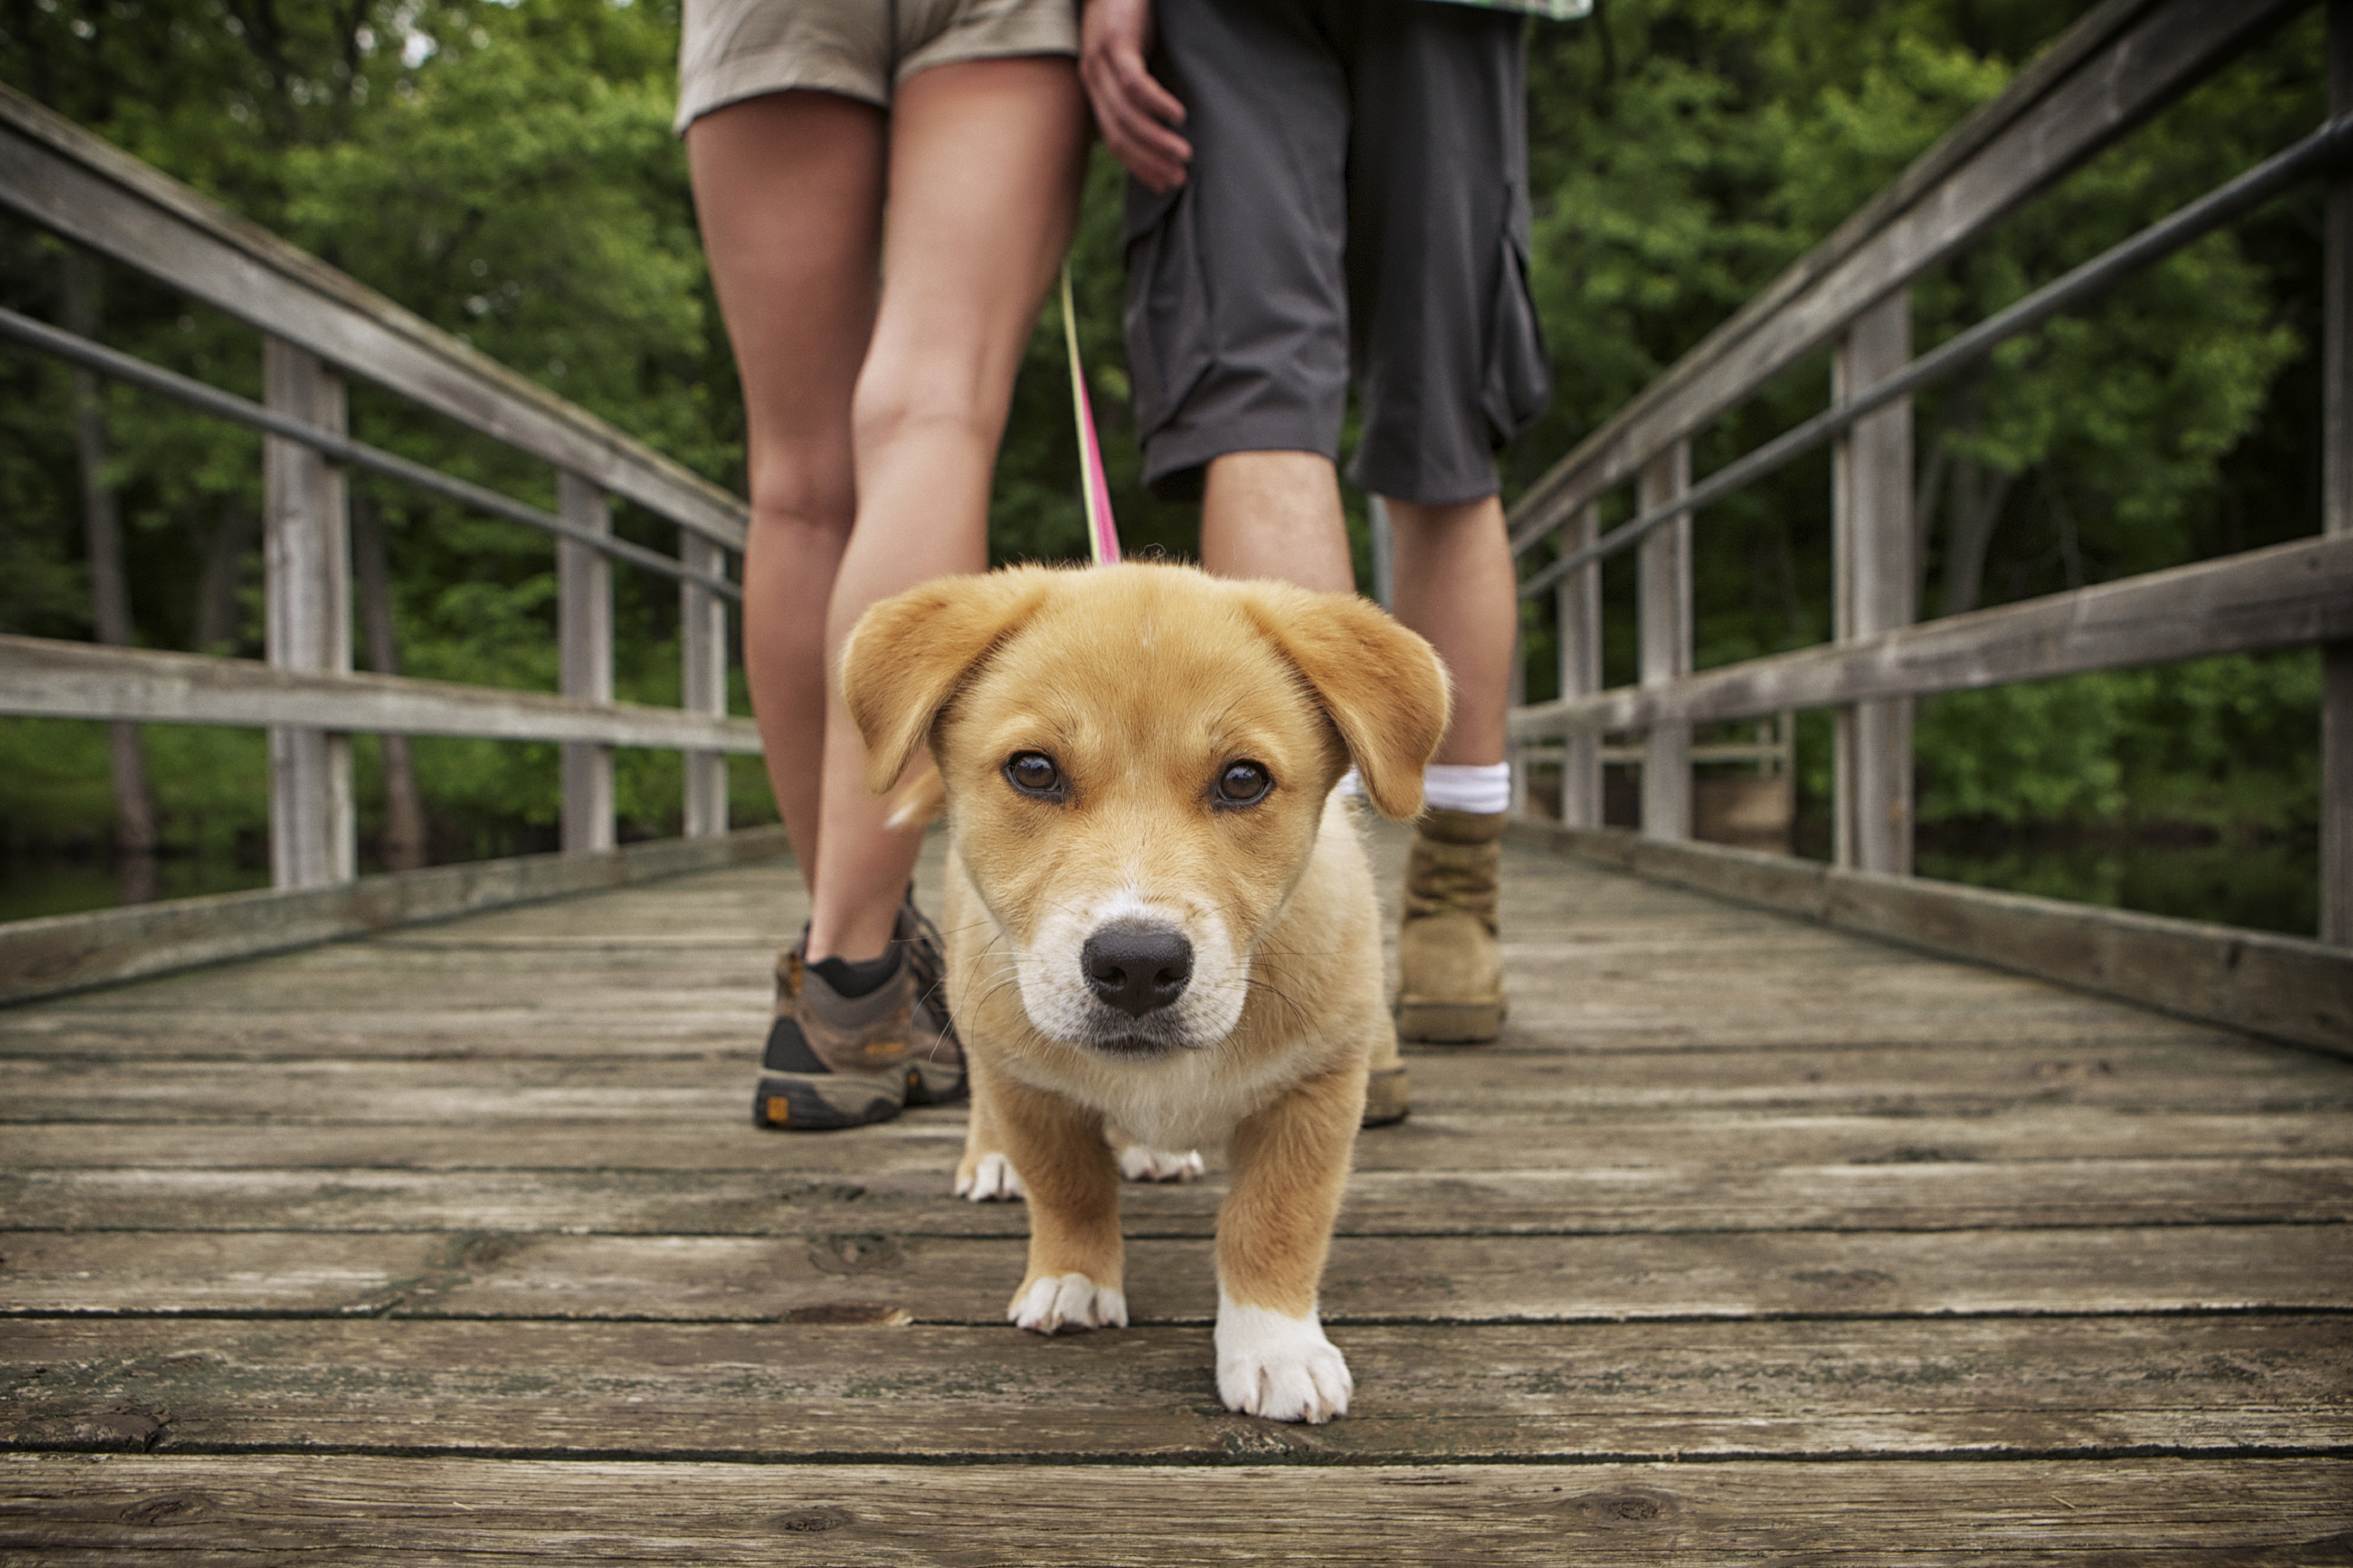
point(2223, 743)
point(506, 171)
point(212, 785)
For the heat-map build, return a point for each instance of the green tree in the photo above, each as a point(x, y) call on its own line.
point(1685, 153)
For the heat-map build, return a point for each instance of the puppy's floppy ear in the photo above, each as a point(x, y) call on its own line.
point(907, 654)
point(1384, 688)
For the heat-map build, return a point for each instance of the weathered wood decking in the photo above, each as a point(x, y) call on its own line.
point(1750, 1241)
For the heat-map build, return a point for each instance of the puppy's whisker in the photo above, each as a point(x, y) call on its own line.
point(1266, 988)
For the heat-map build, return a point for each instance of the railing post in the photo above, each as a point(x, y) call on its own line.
point(1872, 549)
point(1577, 600)
point(1666, 636)
point(1384, 538)
point(2337, 504)
point(703, 646)
point(583, 635)
point(1515, 695)
point(313, 831)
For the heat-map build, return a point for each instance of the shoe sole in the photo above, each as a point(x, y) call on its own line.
point(921, 1092)
point(799, 1102)
point(1449, 1023)
point(790, 1061)
point(1388, 1098)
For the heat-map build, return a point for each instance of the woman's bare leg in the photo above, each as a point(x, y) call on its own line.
point(788, 188)
point(985, 159)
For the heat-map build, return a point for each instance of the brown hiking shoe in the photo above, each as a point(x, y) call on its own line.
point(1388, 1096)
point(837, 1060)
point(1449, 966)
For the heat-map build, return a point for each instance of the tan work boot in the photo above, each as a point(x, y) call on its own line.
point(1450, 966)
point(1388, 1097)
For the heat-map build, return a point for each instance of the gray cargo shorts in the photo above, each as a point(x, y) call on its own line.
point(1356, 203)
point(733, 50)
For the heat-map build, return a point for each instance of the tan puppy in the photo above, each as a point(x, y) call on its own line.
point(1159, 917)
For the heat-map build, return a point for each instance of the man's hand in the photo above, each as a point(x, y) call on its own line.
point(1136, 113)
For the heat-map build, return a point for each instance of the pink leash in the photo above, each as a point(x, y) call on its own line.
point(1103, 532)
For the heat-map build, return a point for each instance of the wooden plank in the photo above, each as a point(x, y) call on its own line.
point(718, 1006)
point(2127, 62)
point(2337, 501)
point(1594, 981)
point(1577, 603)
point(928, 1141)
point(61, 178)
point(1667, 635)
point(307, 622)
point(967, 1279)
point(702, 652)
point(584, 638)
point(66, 952)
point(1867, 1079)
point(1873, 551)
point(43, 678)
point(424, 1514)
point(2275, 986)
point(1907, 1195)
point(2288, 596)
point(769, 1393)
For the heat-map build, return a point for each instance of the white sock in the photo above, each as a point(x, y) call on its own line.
point(1483, 788)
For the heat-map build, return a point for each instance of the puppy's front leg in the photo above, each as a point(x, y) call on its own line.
point(1290, 1168)
point(985, 1174)
point(1072, 1180)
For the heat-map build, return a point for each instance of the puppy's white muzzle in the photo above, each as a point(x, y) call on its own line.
point(1133, 977)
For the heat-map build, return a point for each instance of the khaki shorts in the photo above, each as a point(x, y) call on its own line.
point(735, 49)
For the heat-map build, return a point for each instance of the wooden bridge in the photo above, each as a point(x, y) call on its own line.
point(1805, 1211)
point(1751, 1239)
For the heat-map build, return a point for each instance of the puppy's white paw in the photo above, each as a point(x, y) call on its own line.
point(1277, 1366)
point(991, 1179)
point(1068, 1301)
point(1138, 1163)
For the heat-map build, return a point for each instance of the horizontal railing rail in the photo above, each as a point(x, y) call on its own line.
point(40, 677)
point(2115, 69)
point(318, 326)
point(2289, 596)
point(59, 176)
point(118, 366)
point(2329, 146)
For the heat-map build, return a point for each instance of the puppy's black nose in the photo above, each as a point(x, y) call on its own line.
point(1137, 971)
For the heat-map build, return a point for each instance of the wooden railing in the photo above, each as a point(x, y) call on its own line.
point(2118, 67)
point(318, 326)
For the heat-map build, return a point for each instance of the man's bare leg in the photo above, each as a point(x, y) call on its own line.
point(1456, 587)
point(985, 160)
point(1276, 514)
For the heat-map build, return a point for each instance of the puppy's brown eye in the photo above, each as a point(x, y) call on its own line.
point(1244, 783)
point(1034, 772)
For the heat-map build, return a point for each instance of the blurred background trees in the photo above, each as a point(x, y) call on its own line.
point(507, 172)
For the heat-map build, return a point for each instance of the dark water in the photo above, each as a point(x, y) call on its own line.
point(2271, 885)
point(67, 886)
